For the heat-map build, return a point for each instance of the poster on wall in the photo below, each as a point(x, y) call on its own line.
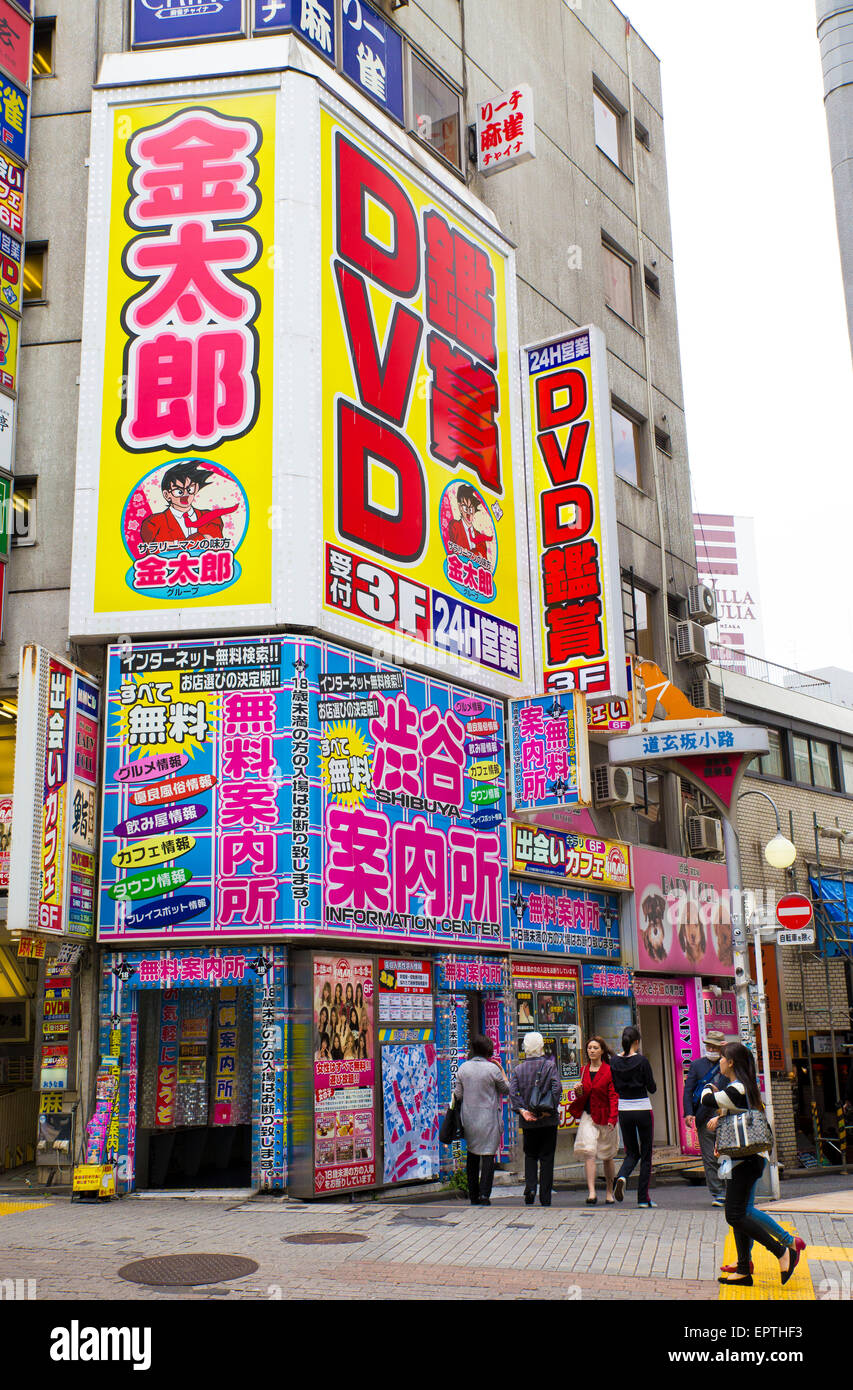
point(405, 991)
point(541, 853)
point(344, 1073)
point(683, 916)
point(174, 479)
point(564, 921)
point(421, 504)
point(410, 1111)
point(547, 1002)
point(258, 786)
point(6, 805)
point(572, 502)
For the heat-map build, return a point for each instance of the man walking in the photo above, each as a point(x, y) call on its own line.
point(703, 1071)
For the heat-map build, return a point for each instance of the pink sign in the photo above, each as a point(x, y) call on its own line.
point(680, 998)
point(344, 1075)
point(683, 918)
point(720, 1013)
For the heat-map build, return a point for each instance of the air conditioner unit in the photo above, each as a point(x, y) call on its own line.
point(612, 786)
point(701, 603)
point(690, 644)
point(705, 694)
point(704, 835)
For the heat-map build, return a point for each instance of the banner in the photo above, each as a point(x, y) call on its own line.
point(549, 753)
point(683, 917)
point(179, 490)
point(572, 501)
point(421, 508)
point(263, 786)
point(344, 1073)
point(542, 853)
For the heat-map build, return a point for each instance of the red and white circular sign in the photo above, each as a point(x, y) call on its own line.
point(793, 911)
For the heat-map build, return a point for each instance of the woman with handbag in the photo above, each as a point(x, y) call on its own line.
point(744, 1139)
point(634, 1082)
point(534, 1094)
point(596, 1105)
point(480, 1083)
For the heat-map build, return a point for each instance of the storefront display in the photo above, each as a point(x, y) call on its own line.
point(473, 995)
point(679, 1039)
point(344, 1073)
point(57, 1030)
point(547, 1001)
point(202, 1033)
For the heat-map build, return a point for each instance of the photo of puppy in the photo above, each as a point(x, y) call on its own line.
point(654, 933)
point(691, 932)
point(722, 924)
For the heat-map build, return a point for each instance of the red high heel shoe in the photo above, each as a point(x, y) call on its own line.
point(732, 1269)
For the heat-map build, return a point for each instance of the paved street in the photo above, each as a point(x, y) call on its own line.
point(418, 1251)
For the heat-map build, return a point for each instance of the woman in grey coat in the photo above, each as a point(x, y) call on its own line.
point(480, 1083)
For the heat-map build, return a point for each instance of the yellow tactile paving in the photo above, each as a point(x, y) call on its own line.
point(766, 1284)
point(9, 1208)
point(830, 1252)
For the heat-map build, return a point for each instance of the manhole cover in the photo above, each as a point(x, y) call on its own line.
point(183, 1271)
point(325, 1238)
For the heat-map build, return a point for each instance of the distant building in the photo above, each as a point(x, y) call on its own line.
point(727, 562)
point(835, 34)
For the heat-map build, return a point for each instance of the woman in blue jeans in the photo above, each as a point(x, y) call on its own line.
point(634, 1084)
point(741, 1092)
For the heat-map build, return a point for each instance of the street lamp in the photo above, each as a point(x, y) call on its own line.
point(779, 853)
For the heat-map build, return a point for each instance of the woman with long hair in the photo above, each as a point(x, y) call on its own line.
point(740, 1092)
point(597, 1136)
point(635, 1083)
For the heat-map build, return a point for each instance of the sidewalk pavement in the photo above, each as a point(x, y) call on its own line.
point(439, 1251)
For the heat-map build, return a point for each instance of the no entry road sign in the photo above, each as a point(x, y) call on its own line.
point(793, 912)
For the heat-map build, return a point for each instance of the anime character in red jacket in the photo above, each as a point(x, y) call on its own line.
point(462, 534)
point(182, 520)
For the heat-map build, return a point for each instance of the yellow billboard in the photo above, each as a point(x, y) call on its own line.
point(184, 487)
point(419, 498)
point(574, 557)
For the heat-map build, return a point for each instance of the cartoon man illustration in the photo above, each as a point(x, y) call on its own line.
point(462, 533)
point(182, 520)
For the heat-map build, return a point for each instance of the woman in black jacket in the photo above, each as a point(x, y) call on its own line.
point(634, 1082)
point(539, 1127)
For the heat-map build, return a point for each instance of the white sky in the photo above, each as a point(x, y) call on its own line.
point(765, 351)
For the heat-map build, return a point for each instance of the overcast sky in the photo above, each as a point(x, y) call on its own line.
point(765, 351)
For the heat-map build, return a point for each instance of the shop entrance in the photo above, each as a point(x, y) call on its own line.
point(655, 1030)
point(195, 1088)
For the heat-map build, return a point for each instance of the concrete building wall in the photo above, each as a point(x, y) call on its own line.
point(835, 35)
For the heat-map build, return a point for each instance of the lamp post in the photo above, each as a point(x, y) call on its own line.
point(780, 853)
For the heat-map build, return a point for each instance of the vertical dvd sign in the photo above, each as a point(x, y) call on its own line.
point(572, 498)
point(51, 869)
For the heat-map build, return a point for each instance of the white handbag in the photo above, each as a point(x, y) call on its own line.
point(586, 1139)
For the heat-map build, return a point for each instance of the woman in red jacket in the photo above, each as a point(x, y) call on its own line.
point(597, 1136)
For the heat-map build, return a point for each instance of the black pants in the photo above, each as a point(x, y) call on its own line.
point(638, 1130)
point(540, 1145)
point(746, 1229)
point(481, 1170)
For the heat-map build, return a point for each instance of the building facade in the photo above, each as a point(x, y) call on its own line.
point(289, 253)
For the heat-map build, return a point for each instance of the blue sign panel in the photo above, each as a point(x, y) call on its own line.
point(176, 21)
point(373, 56)
point(14, 120)
point(607, 981)
point(313, 20)
point(564, 921)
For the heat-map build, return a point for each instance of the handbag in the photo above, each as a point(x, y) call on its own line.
point(541, 1101)
point(586, 1139)
point(743, 1133)
point(451, 1129)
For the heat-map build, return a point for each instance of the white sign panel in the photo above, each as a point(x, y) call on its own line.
point(7, 433)
point(505, 130)
point(803, 937)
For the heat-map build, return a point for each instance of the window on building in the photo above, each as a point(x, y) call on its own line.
point(813, 762)
point(24, 512)
point(35, 267)
point(847, 768)
point(626, 446)
point(636, 616)
point(652, 280)
point(434, 111)
point(642, 135)
point(44, 36)
point(772, 763)
point(608, 127)
point(618, 282)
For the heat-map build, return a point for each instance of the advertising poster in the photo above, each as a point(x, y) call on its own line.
point(55, 796)
point(540, 853)
point(683, 916)
point(15, 44)
point(12, 178)
point(184, 483)
point(564, 921)
point(546, 1002)
point(572, 499)
point(405, 991)
point(421, 507)
point(10, 328)
point(258, 786)
point(344, 1073)
point(6, 804)
point(549, 753)
point(410, 1111)
point(11, 269)
point(185, 21)
point(720, 1013)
